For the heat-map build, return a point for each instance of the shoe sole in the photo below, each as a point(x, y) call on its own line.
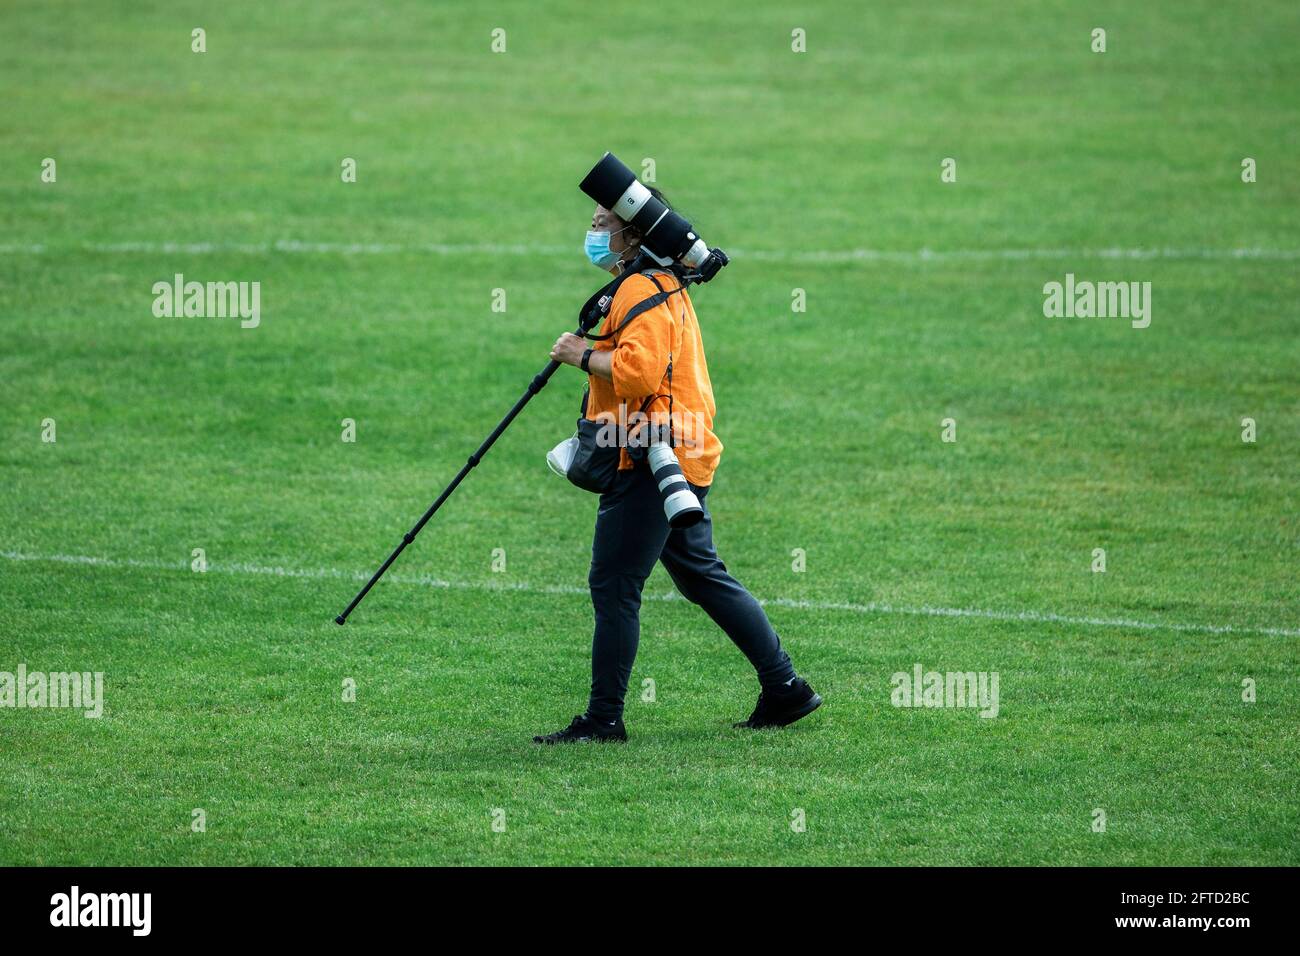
point(811, 704)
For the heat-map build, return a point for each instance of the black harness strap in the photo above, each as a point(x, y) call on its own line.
point(645, 305)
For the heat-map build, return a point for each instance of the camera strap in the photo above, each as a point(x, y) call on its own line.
point(672, 442)
point(597, 307)
point(604, 300)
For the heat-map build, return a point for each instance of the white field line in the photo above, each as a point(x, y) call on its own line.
point(873, 607)
point(290, 246)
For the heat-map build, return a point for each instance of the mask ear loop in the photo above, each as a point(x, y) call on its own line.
point(622, 265)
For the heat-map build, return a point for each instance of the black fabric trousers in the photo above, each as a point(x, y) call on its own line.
point(631, 534)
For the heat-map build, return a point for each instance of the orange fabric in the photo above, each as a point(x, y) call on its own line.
point(640, 363)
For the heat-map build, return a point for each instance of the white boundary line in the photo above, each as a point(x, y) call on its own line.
point(291, 246)
point(873, 607)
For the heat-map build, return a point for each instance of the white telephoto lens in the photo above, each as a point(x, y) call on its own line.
point(681, 507)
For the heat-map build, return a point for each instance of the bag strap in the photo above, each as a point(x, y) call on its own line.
point(645, 305)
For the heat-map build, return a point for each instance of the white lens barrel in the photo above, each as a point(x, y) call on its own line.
point(696, 254)
point(629, 204)
point(681, 507)
point(661, 455)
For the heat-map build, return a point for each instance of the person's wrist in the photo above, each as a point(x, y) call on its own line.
point(586, 358)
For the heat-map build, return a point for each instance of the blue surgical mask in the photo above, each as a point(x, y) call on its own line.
point(598, 250)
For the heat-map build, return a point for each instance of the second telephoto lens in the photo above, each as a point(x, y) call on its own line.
point(681, 507)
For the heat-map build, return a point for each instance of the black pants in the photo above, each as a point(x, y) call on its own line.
point(631, 534)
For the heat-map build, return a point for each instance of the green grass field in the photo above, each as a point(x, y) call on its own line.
point(1120, 691)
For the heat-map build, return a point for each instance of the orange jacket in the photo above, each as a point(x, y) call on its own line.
point(639, 364)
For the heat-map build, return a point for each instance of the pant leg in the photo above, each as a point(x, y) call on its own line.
point(699, 574)
point(630, 534)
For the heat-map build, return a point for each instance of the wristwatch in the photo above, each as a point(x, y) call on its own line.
point(586, 357)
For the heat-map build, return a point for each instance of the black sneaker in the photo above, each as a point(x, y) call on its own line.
point(585, 729)
point(778, 707)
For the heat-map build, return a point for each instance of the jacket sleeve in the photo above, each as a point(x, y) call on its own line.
point(641, 351)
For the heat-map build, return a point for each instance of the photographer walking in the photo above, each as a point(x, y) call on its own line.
point(660, 355)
